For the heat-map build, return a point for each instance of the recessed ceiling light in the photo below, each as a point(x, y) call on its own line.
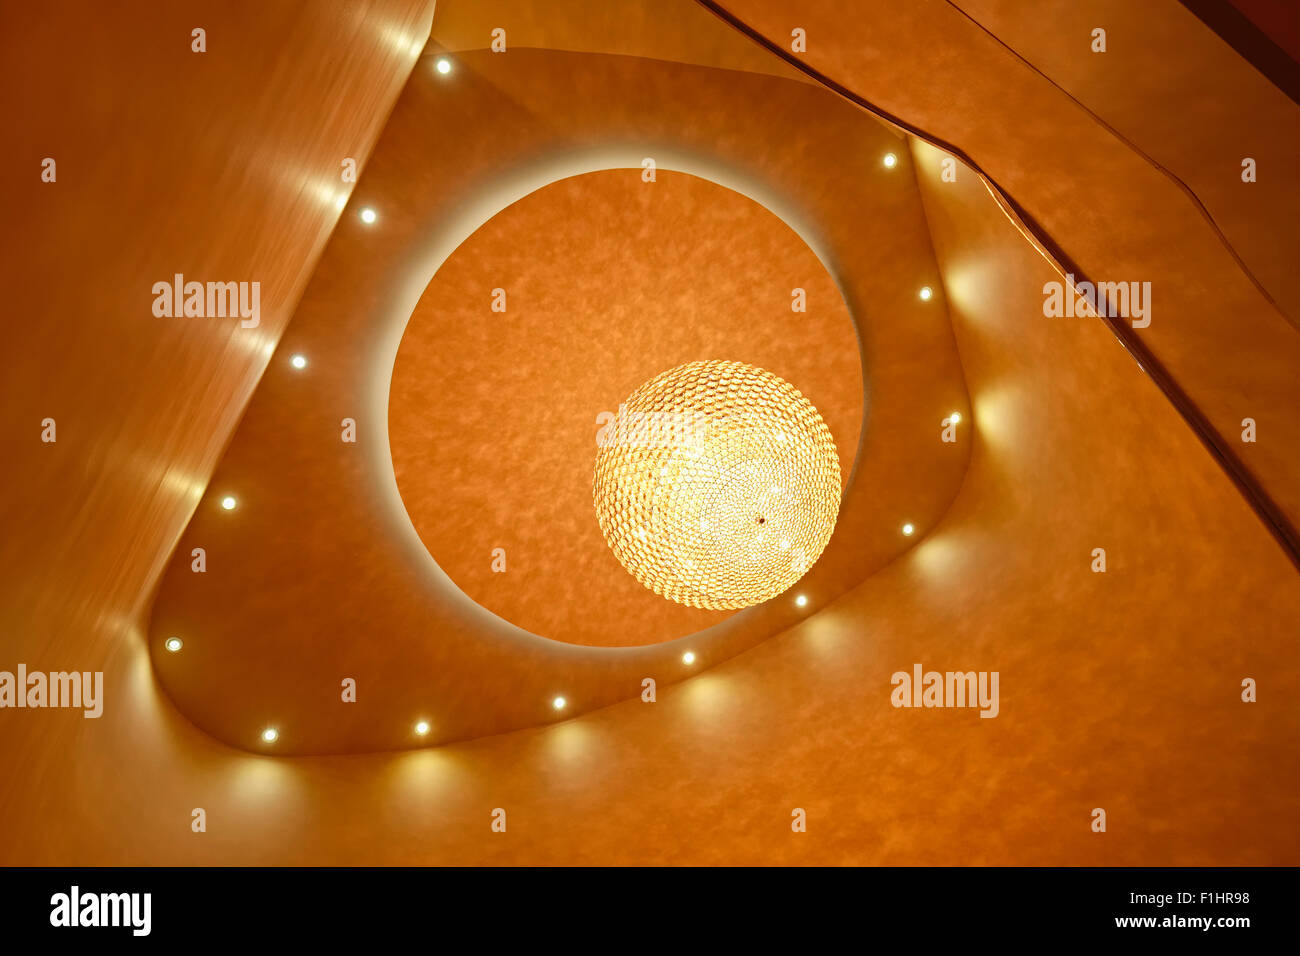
point(688, 657)
point(229, 502)
point(444, 65)
point(422, 728)
point(801, 600)
point(368, 215)
point(890, 160)
point(270, 735)
point(926, 293)
point(908, 529)
point(955, 417)
point(298, 361)
point(559, 703)
point(173, 644)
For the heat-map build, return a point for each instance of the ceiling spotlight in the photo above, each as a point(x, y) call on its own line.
point(748, 459)
point(298, 361)
point(229, 502)
point(926, 293)
point(173, 644)
point(422, 728)
point(368, 215)
point(955, 417)
point(908, 529)
point(801, 601)
point(559, 703)
point(688, 657)
point(890, 160)
point(444, 65)
point(270, 735)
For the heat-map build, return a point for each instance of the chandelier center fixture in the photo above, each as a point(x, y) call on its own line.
point(717, 485)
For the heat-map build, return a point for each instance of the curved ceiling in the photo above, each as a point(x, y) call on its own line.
point(345, 558)
point(497, 399)
point(1119, 689)
point(1145, 222)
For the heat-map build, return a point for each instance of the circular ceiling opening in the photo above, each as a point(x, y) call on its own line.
point(533, 331)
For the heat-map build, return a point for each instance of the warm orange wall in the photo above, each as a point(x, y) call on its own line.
point(1230, 112)
point(1129, 680)
point(223, 165)
point(1118, 690)
point(675, 31)
point(1109, 207)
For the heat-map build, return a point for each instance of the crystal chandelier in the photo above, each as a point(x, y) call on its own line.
point(717, 485)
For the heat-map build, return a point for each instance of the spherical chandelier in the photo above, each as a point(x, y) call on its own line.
point(717, 485)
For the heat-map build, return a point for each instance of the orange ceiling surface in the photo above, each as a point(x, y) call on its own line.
point(631, 280)
point(464, 446)
point(371, 561)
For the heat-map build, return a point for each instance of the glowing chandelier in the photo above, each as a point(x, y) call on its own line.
point(718, 485)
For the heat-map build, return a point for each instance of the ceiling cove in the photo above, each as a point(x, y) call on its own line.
point(322, 541)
